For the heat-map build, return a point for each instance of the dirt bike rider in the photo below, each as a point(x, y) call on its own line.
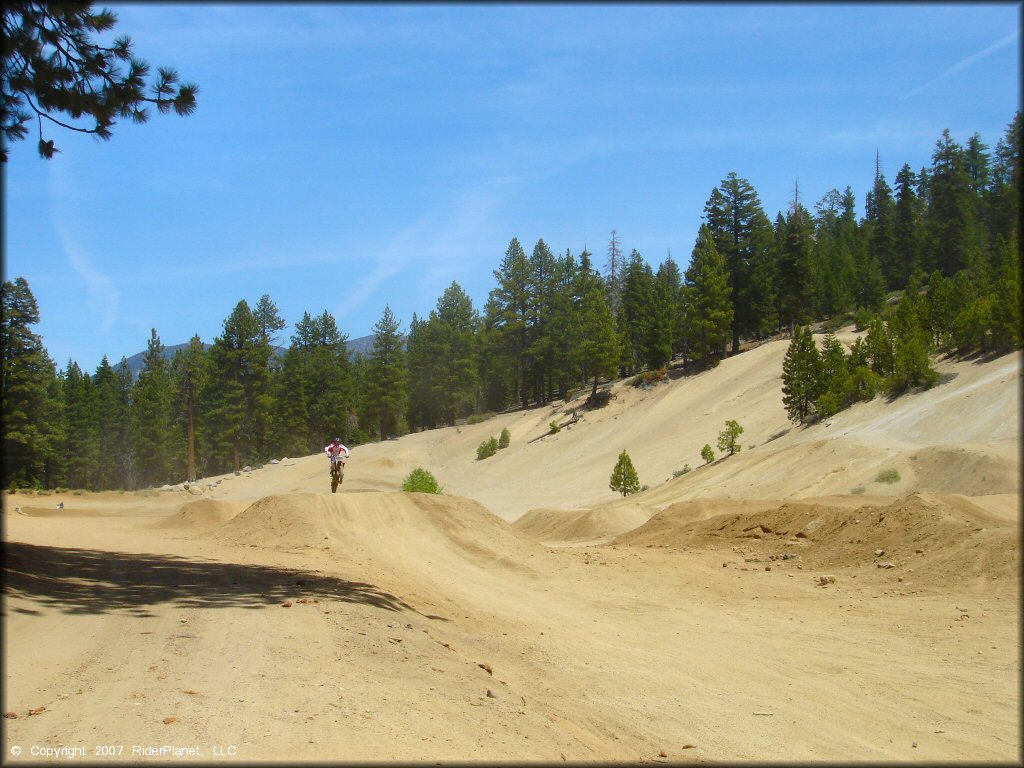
point(334, 449)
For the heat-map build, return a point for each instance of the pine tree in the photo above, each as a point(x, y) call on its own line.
point(124, 451)
point(907, 227)
point(496, 363)
point(950, 219)
point(834, 382)
point(53, 65)
point(833, 263)
point(707, 454)
point(1005, 188)
point(80, 428)
point(290, 421)
point(188, 370)
point(456, 322)
point(152, 417)
point(541, 288)
point(869, 291)
point(268, 319)
point(794, 274)
point(879, 228)
point(727, 437)
point(911, 344)
point(564, 325)
point(326, 373)
point(236, 396)
point(711, 309)
point(636, 315)
point(423, 353)
point(879, 344)
point(108, 415)
point(29, 392)
point(661, 323)
point(800, 375)
point(670, 280)
point(624, 478)
point(742, 235)
point(385, 385)
point(613, 279)
point(598, 349)
point(509, 316)
point(1006, 308)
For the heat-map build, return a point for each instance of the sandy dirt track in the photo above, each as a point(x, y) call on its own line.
point(781, 604)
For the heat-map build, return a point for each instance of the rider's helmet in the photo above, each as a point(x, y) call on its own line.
point(337, 439)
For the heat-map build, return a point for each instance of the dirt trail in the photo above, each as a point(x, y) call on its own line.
point(740, 611)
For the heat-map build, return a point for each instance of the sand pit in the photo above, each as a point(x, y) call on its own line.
point(270, 620)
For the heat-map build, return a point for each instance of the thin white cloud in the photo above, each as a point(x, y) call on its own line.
point(287, 261)
point(102, 294)
point(441, 246)
point(894, 134)
point(961, 65)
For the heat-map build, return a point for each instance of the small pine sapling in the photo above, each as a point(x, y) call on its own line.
point(707, 454)
point(624, 478)
point(727, 437)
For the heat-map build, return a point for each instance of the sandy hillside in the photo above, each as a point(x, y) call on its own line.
point(783, 603)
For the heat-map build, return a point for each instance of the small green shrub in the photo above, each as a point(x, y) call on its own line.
point(420, 481)
point(644, 488)
point(555, 429)
point(858, 490)
point(707, 454)
point(504, 438)
point(888, 476)
point(477, 418)
point(681, 472)
point(486, 449)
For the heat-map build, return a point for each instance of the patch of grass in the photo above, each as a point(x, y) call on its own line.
point(681, 472)
point(420, 481)
point(888, 476)
point(858, 490)
point(477, 418)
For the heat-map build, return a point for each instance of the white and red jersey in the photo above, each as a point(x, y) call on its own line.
point(335, 451)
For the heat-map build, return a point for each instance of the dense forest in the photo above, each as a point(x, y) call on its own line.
point(933, 266)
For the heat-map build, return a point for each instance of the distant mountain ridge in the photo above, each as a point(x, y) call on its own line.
point(361, 346)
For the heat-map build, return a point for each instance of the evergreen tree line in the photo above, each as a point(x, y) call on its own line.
point(948, 236)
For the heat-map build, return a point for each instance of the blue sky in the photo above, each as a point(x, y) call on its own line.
point(345, 157)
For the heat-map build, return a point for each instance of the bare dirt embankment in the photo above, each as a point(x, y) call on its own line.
point(785, 603)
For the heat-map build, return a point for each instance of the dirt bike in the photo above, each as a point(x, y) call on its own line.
point(337, 473)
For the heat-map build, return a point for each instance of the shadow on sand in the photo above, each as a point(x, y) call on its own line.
point(82, 581)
